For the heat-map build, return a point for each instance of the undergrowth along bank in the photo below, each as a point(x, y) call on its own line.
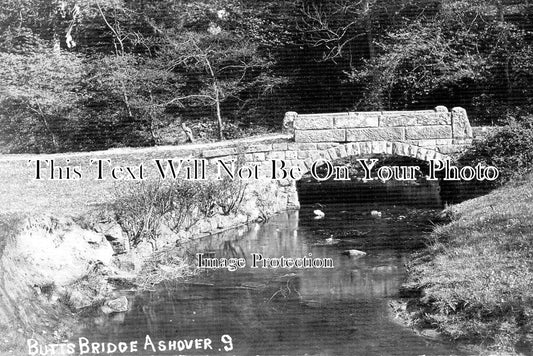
point(476, 276)
point(141, 209)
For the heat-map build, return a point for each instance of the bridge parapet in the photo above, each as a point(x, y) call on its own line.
point(438, 128)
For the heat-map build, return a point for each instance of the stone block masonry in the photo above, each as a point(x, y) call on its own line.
point(437, 129)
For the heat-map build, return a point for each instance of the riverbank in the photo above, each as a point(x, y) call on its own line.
point(54, 267)
point(67, 240)
point(474, 281)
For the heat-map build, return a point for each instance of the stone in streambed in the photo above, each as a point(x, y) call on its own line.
point(118, 305)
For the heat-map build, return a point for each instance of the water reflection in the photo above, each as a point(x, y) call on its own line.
point(339, 311)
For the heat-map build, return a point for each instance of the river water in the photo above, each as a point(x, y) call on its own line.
point(342, 310)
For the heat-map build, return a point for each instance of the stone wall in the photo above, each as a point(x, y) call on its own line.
point(440, 129)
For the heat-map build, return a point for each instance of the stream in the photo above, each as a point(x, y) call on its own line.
point(342, 310)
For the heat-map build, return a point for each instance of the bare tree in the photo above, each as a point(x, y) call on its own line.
point(324, 26)
point(228, 63)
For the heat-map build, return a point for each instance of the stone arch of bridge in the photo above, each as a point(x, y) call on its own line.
point(362, 149)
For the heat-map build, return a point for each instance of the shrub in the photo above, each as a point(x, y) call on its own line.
point(184, 205)
point(510, 149)
point(230, 195)
point(206, 197)
point(142, 208)
point(39, 109)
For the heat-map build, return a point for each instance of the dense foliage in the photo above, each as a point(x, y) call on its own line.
point(510, 148)
point(105, 73)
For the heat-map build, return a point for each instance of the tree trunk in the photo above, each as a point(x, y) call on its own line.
point(219, 115)
point(52, 135)
point(368, 29)
point(507, 64)
point(509, 88)
point(126, 101)
point(370, 40)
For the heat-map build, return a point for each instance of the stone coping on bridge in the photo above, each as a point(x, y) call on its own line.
point(437, 127)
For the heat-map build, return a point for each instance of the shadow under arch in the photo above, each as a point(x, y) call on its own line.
point(416, 191)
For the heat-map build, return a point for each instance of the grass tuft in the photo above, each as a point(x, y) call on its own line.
point(164, 266)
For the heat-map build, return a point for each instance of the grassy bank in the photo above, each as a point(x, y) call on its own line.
point(476, 277)
point(20, 192)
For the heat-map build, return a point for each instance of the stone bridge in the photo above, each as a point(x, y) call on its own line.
point(423, 135)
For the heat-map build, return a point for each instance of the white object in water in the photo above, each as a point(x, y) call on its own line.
point(375, 213)
point(355, 253)
point(331, 240)
point(318, 213)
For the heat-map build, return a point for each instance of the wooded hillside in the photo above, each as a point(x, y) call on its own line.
point(95, 74)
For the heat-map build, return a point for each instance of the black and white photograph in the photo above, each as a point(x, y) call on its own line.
point(262, 177)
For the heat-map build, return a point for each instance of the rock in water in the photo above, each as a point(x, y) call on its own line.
point(354, 253)
point(118, 305)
